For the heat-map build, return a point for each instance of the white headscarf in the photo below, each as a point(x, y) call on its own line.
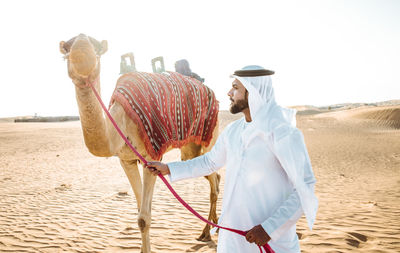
point(261, 96)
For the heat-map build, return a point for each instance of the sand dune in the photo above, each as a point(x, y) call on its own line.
point(56, 197)
point(381, 116)
point(356, 159)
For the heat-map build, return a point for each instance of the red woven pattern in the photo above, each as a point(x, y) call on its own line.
point(169, 108)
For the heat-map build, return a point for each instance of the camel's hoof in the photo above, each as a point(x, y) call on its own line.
point(204, 238)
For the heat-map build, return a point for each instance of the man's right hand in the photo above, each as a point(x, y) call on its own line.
point(157, 168)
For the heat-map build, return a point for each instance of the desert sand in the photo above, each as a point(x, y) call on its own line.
point(56, 197)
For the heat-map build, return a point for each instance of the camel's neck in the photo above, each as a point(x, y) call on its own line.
point(93, 123)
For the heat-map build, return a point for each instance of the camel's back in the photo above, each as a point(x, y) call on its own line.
point(170, 109)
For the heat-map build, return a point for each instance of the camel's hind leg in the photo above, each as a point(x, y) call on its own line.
point(213, 179)
point(132, 172)
point(190, 151)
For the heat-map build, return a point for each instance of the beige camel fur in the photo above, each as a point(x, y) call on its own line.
point(83, 55)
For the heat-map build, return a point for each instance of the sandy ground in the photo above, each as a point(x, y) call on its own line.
point(56, 197)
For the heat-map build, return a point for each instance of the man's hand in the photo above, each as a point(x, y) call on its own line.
point(258, 236)
point(157, 168)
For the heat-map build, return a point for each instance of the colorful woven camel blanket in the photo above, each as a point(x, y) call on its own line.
point(169, 108)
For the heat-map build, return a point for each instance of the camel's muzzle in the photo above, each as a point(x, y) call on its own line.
point(82, 57)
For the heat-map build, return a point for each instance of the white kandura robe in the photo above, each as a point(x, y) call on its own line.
point(257, 189)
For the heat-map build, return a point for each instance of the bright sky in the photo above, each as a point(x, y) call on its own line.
point(322, 51)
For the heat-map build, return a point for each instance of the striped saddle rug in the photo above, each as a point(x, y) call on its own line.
point(169, 108)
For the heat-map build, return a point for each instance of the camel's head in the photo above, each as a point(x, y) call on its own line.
point(83, 55)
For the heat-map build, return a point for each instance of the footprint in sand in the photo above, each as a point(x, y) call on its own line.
point(359, 236)
point(355, 239)
point(396, 156)
point(370, 203)
point(63, 187)
point(120, 196)
point(353, 242)
point(122, 193)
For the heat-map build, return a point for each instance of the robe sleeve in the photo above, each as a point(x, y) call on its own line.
point(289, 148)
point(284, 217)
point(200, 166)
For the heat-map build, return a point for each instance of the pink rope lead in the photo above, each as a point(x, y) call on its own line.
point(266, 247)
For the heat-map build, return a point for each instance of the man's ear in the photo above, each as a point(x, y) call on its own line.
point(62, 48)
point(104, 47)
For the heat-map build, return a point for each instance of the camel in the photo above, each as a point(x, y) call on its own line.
point(83, 56)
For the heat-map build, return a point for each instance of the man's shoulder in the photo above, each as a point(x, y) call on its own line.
point(232, 126)
point(276, 117)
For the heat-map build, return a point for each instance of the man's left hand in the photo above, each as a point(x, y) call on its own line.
point(258, 236)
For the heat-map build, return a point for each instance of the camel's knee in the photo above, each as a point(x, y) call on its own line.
point(142, 224)
point(213, 197)
point(214, 184)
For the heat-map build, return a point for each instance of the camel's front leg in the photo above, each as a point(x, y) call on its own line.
point(145, 211)
point(132, 172)
point(213, 179)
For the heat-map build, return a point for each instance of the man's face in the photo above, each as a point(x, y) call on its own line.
point(238, 95)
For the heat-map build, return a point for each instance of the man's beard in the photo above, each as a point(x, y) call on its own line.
point(239, 106)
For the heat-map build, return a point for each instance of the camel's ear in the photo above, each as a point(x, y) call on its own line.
point(62, 48)
point(104, 47)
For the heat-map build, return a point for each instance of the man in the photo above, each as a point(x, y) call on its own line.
point(269, 181)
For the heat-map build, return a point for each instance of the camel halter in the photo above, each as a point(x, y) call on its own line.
point(266, 247)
